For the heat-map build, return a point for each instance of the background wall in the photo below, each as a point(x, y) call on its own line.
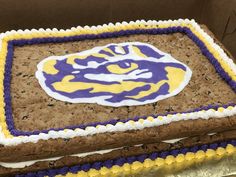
point(218, 15)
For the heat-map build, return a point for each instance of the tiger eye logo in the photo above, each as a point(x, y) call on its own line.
point(123, 74)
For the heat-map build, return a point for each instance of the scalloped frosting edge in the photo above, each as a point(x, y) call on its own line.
point(182, 158)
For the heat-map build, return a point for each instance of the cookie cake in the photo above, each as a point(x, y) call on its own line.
point(116, 98)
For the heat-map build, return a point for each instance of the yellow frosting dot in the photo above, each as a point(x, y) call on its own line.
point(178, 114)
point(148, 163)
point(230, 108)
point(169, 116)
point(136, 166)
point(141, 121)
point(212, 110)
point(230, 148)
point(200, 154)
point(104, 171)
point(210, 153)
point(93, 173)
point(116, 169)
point(160, 117)
point(73, 175)
point(169, 159)
point(120, 123)
point(159, 161)
point(98, 126)
point(131, 122)
point(65, 130)
point(180, 158)
point(221, 109)
point(220, 151)
point(81, 174)
point(126, 167)
point(150, 118)
point(216, 54)
point(189, 156)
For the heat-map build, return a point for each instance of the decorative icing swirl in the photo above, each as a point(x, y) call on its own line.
point(131, 73)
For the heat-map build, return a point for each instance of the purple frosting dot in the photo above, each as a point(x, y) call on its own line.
point(108, 163)
point(174, 152)
point(141, 158)
point(213, 146)
point(97, 165)
point(184, 150)
point(120, 161)
point(233, 142)
point(85, 167)
point(131, 159)
point(74, 169)
point(153, 156)
point(194, 149)
point(204, 147)
point(164, 154)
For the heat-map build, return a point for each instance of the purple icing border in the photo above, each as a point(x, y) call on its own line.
point(9, 58)
point(122, 160)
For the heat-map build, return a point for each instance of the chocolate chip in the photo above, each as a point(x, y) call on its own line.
point(66, 139)
point(144, 146)
point(50, 105)
point(24, 117)
point(51, 164)
point(18, 74)
point(169, 109)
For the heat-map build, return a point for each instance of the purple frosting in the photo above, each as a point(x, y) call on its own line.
point(122, 160)
point(22, 42)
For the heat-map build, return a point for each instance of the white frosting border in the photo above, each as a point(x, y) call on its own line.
point(130, 125)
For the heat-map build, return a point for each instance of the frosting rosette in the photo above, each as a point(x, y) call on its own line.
point(123, 74)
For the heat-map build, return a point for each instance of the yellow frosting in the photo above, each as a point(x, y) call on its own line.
point(49, 67)
point(175, 77)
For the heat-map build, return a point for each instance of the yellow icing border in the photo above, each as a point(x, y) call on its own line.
point(90, 30)
point(183, 160)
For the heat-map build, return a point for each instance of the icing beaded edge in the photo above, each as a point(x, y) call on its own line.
point(135, 164)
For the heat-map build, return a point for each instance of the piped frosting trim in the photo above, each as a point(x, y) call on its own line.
point(135, 164)
point(10, 136)
point(120, 126)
